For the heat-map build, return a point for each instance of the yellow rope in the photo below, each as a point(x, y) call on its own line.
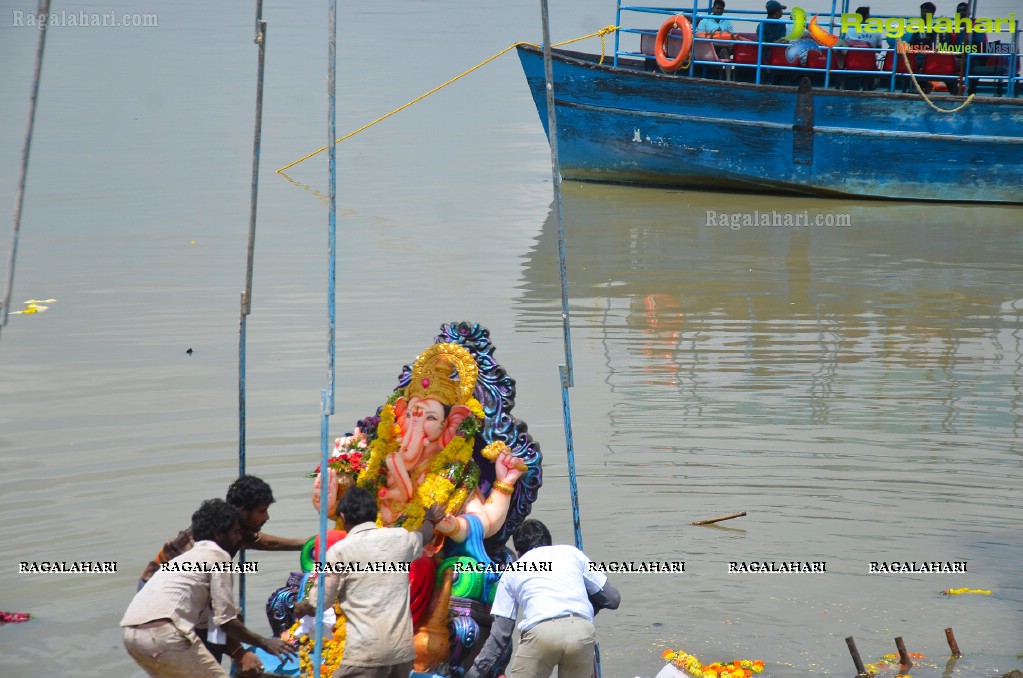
point(912, 76)
point(602, 32)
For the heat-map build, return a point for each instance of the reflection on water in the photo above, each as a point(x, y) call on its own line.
point(845, 385)
point(915, 305)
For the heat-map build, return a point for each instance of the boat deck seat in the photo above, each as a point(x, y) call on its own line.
point(815, 59)
point(889, 59)
point(860, 61)
point(646, 43)
point(940, 64)
point(745, 53)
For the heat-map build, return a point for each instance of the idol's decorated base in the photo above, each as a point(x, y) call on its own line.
point(276, 667)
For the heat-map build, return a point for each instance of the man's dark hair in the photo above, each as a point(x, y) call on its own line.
point(248, 492)
point(357, 506)
point(530, 535)
point(215, 516)
point(928, 8)
point(863, 12)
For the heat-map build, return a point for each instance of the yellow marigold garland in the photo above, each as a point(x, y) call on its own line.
point(890, 662)
point(333, 648)
point(384, 444)
point(739, 668)
point(436, 488)
point(959, 592)
point(476, 408)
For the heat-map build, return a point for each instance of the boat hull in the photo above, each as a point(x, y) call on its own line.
point(627, 125)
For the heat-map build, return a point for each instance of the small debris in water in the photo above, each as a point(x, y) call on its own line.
point(34, 306)
point(189, 351)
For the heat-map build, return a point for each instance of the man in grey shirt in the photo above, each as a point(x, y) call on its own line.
point(374, 596)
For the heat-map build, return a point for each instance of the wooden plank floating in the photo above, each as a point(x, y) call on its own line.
point(711, 521)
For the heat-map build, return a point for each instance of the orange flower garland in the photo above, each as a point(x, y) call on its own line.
point(738, 668)
point(333, 648)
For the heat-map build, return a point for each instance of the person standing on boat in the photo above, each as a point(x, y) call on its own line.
point(252, 497)
point(774, 30)
point(557, 603)
point(159, 624)
point(378, 641)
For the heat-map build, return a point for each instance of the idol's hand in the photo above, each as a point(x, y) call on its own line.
point(447, 525)
point(331, 492)
point(508, 468)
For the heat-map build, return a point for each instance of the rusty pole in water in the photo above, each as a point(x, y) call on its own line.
point(246, 302)
point(19, 196)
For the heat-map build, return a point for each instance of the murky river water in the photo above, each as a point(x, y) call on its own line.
point(856, 389)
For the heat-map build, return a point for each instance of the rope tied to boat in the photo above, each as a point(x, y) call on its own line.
point(603, 45)
point(912, 76)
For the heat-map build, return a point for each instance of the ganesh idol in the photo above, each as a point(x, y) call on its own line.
point(446, 436)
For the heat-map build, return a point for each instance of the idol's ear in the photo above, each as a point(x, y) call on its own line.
point(400, 406)
point(455, 418)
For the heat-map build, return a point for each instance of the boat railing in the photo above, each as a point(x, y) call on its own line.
point(994, 65)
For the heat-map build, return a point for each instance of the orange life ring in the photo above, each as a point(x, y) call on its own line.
point(671, 65)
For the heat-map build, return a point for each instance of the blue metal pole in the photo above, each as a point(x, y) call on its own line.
point(567, 378)
point(327, 397)
point(321, 554)
point(246, 302)
point(565, 370)
point(44, 9)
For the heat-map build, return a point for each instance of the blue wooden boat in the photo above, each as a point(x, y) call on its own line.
point(622, 122)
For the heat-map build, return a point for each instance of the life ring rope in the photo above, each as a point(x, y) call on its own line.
point(666, 64)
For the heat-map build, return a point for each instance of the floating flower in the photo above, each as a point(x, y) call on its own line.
point(34, 306)
point(737, 668)
point(959, 592)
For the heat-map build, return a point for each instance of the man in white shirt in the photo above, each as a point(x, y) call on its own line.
point(557, 603)
point(159, 624)
point(874, 39)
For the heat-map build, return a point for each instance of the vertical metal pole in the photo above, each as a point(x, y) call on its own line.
point(321, 554)
point(19, 196)
point(567, 377)
point(618, 22)
point(565, 370)
point(246, 301)
point(327, 396)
